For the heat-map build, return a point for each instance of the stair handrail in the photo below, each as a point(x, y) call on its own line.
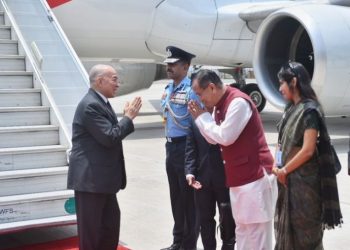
point(64, 38)
point(37, 73)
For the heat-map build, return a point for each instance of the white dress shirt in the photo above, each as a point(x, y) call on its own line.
point(102, 96)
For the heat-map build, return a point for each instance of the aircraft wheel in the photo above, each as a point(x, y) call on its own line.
point(255, 94)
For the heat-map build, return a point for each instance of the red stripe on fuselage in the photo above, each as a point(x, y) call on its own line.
point(55, 3)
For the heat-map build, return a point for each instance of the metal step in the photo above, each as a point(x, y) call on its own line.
point(28, 224)
point(27, 136)
point(24, 116)
point(35, 206)
point(33, 180)
point(32, 157)
point(12, 63)
point(16, 80)
point(5, 32)
point(20, 97)
point(8, 47)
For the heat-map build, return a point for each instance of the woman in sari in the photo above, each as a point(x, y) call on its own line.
point(300, 205)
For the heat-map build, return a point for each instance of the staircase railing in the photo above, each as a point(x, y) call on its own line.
point(59, 114)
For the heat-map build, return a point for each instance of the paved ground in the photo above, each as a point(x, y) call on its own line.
point(145, 204)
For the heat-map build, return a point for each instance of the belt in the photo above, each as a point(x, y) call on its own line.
point(176, 139)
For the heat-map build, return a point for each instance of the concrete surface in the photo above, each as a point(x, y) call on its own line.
point(146, 220)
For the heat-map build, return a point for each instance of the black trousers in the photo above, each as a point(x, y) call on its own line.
point(206, 200)
point(181, 196)
point(98, 219)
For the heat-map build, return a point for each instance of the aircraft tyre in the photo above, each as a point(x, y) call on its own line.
point(255, 94)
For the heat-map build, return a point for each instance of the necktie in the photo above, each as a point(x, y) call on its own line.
point(109, 107)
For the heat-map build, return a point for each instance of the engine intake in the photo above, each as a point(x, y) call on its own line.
point(318, 36)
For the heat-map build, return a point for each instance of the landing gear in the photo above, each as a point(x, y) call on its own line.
point(250, 89)
point(255, 94)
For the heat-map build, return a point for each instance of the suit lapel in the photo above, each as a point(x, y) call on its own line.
point(111, 112)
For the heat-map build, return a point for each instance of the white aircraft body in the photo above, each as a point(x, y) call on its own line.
point(234, 33)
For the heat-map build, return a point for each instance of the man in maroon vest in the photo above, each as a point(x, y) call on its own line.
point(236, 126)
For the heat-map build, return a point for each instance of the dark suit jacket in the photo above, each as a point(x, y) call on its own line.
point(97, 162)
point(203, 160)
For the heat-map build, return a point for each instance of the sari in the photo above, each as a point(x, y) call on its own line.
point(298, 216)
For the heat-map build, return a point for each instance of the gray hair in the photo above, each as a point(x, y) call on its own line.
point(97, 71)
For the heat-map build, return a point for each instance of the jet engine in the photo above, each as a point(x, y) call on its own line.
point(316, 35)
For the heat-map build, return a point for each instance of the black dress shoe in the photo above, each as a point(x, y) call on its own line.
point(175, 246)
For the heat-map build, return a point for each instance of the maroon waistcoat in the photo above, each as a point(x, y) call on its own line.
point(249, 154)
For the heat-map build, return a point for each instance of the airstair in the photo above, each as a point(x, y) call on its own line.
point(41, 82)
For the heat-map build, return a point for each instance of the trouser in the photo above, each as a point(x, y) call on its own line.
point(206, 200)
point(98, 220)
point(254, 236)
point(181, 196)
point(253, 209)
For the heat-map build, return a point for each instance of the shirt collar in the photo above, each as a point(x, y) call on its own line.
point(102, 96)
point(183, 82)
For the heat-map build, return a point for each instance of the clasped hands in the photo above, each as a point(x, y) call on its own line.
point(132, 109)
point(194, 109)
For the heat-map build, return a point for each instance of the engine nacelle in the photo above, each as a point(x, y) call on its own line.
point(318, 36)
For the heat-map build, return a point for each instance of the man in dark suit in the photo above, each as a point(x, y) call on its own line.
point(204, 171)
point(96, 166)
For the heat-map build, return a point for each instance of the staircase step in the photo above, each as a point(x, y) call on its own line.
point(8, 47)
point(35, 206)
point(12, 63)
point(32, 157)
point(26, 136)
point(5, 32)
point(28, 224)
point(24, 116)
point(20, 97)
point(16, 80)
point(33, 180)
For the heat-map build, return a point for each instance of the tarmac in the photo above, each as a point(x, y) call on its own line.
point(146, 219)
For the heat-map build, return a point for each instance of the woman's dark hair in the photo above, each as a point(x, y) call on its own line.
point(303, 84)
point(206, 76)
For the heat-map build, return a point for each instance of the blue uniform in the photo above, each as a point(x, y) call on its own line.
point(178, 122)
point(174, 105)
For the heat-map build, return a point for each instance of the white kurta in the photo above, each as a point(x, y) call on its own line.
point(237, 116)
point(252, 204)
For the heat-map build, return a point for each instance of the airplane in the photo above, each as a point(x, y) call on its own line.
point(133, 35)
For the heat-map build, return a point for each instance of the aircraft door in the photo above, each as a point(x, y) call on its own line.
point(232, 41)
point(188, 24)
